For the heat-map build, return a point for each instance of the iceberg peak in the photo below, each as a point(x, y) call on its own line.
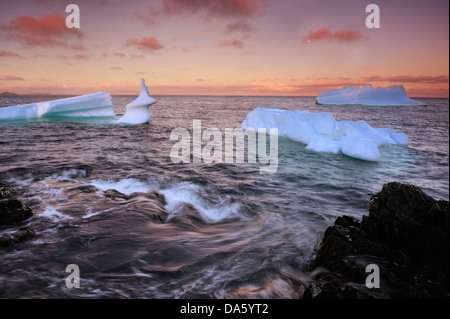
point(137, 111)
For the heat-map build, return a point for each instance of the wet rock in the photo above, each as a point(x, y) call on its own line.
point(188, 216)
point(149, 204)
point(155, 212)
point(158, 197)
point(312, 291)
point(6, 191)
point(12, 211)
point(405, 219)
point(115, 195)
point(406, 231)
point(20, 236)
point(155, 196)
point(353, 293)
point(329, 291)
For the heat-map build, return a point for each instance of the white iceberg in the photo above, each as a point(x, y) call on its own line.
point(394, 95)
point(90, 105)
point(137, 111)
point(322, 133)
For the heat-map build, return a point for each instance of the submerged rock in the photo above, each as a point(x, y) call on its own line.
point(149, 204)
point(6, 191)
point(406, 234)
point(23, 234)
point(12, 211)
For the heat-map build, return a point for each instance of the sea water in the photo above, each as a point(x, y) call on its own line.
point(253, 236)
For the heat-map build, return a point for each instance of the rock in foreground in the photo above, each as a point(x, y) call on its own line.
point(406, 234)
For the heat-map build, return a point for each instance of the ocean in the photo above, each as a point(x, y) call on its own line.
point(234, 233)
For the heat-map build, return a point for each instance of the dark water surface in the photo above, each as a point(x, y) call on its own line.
point(243, 235)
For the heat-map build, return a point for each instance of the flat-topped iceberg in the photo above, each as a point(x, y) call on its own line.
point(394, 95)
point(137, 111)
point(322, 133)
point(90, 105)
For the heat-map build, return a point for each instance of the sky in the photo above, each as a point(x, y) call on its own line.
point(223, 47)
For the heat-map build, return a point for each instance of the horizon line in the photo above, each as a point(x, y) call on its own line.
point(2, 94)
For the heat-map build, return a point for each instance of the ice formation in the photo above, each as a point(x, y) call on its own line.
point(90, 105)
point(137, 111)
point(394, 95)
point(322, 133)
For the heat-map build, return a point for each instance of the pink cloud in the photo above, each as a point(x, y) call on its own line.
point(340, 36)
point(81, 57)
point(11, 78)
point(235, 43)
point(240, 26)
point(408, 79)
point(205, 8)
point(116, 68)
point(74, 57)
point(48, 30)
point(214, 8)
point(120, 54)
point(188, 49)
point(7, 54)
point(150, 44)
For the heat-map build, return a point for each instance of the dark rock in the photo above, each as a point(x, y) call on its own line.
point(188, 216)
point(6, 191)
point(347, 221)
point(404, 218)
point(88, 189)
point(407, 231)
point(353, 293)
point(20, 236)
point(115, 195)
point(155, 196)
point(336, 243)
point(329, 291)
point(158, 197)
point(12, 211)
point(155, 212)
point(312, 291)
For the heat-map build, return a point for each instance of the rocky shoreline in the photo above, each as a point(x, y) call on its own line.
point(406, 235)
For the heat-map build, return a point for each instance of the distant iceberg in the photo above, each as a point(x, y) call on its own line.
point(394, 95)
point(322, 133)
point(90, 105)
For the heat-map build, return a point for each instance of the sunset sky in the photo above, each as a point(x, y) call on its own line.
point(223, 47)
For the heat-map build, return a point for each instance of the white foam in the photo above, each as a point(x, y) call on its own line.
point(322, 133)
point(69, 174)
point(176, 196)
point(394, 95)
point(188, 193)
point(125, 186)
point(54, 215)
